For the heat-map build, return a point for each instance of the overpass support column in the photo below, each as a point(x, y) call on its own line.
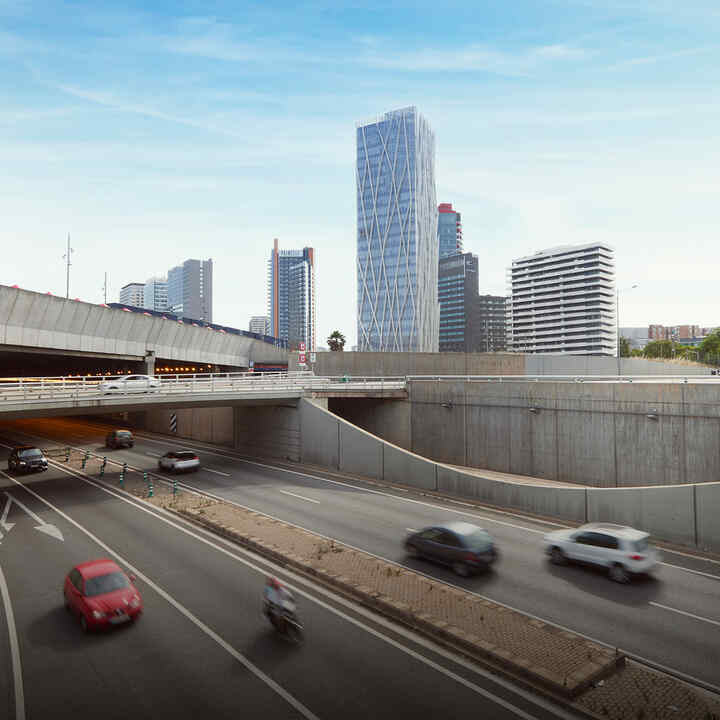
point(149, 362)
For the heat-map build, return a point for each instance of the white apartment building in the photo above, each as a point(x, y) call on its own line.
point(562, 300)
point(132, 294)
point(259, 324)
point(156, 294)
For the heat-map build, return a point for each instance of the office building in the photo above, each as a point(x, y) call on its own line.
point(450, 240)
point(156, 294)
point(189, 289)
point(490, 323)
point(637, 337)
point(291, 296)
point(458, 295)
point(562, 300)
point(397, 245)
point(132, 294)
point(258, 324)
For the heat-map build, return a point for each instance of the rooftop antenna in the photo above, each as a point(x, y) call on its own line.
point(66, 257)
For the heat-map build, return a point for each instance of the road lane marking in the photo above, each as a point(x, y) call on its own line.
point(411, 530)
point(690, 570)
point(687, 614)
point(14, 650)
point(217, 472)
point(161, 514)
point(254, 669)
point(153, 454)
point(301, 497)
point(44, 527)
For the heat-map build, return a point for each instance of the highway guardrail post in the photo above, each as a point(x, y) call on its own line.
point(174, 486)
point(102, 467)
point(85, 459)
point(149, 486)
point(67, 454)
point(122, 478)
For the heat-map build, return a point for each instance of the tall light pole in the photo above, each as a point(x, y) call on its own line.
point(617, 321)
point(66, 257)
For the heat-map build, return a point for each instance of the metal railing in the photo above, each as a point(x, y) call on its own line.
point(15, 391)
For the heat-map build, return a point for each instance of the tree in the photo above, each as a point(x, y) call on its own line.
point(336, 341)
point(624, 347)
point(711, 344)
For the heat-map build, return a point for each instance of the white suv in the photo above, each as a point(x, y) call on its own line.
point(622, 550)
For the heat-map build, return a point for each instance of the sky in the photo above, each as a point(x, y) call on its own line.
point(157, 132)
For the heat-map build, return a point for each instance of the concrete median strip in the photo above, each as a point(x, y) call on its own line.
point(596, 680)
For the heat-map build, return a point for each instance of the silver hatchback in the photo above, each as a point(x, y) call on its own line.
point(179, 461)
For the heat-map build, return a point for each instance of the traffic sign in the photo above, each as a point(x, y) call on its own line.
point(301, 358)
point(301, 347)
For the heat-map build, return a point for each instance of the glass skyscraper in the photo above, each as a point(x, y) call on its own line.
point(449, 230)
point(189, 290)
point(397, 245)
point(291, 296)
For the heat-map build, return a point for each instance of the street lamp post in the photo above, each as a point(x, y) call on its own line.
point(617, 322)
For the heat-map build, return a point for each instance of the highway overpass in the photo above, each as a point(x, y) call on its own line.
point(45, 332)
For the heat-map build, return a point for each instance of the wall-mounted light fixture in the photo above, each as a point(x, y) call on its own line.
point(448, 405)
point(652, 415)
point(534, 410)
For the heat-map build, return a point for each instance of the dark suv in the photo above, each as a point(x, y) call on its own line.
point(119, 439)
point(26, 458)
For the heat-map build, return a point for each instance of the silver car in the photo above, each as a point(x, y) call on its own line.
point(179, 461)
point(624, 551)
point(126, 384)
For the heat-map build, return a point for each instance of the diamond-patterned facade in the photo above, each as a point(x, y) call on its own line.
point(397, 249)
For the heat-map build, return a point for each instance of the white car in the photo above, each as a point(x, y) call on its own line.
point(179, 461)
point(624, 551)
point(130, 384)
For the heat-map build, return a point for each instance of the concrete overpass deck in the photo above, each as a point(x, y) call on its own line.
point(38, 397)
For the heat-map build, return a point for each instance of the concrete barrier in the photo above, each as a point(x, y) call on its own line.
point(667, 513)
point(564, 503)
point(406, 468)
point(360, 452)
point(707, 503)
point(319, 436)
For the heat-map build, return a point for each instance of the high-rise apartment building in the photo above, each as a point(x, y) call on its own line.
point(189, 290)
point(490, 323)
point(156, 294)
point(291, 296)
point(450, 239)
point(458, 294)
point(259, 324)
point(397, 245)
point(562, 300)
point(132, 294)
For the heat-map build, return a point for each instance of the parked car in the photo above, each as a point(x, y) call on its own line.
point(119, 439)
point(624, 551)
point(466, 548)
point(101, 595)
point(130, 384)
point(179, 461)
point(26, 458)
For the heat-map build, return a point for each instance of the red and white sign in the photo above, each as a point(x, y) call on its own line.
point(301, 347)
point(301, 358)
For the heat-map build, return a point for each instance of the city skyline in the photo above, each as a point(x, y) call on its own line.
point(569, 123)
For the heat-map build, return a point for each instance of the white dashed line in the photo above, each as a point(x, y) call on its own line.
point(14, 650)
point(216, 472)
point(301, 497)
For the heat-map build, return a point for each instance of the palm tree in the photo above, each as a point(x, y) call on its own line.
point(336, 341)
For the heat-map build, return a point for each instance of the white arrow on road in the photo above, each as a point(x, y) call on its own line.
point(42, 526)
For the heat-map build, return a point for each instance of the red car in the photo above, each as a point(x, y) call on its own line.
point(101, 595)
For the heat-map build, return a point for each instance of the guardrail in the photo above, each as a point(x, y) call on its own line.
point(59, 389)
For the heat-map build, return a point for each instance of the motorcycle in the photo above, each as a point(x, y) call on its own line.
point(286, 623)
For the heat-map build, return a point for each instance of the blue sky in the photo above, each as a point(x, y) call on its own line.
point(206, 129)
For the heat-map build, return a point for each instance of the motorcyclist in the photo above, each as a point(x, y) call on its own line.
point(278, 599)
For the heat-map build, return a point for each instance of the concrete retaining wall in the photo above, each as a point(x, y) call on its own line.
point(404, 364)
point(213, 425)
point(268, 431)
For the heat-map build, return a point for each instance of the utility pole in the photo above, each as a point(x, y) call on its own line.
point(66, 257)
point(105, 289)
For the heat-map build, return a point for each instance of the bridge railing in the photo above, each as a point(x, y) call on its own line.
point(22, 390)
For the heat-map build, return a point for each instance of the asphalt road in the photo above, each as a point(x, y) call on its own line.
point(202, 648)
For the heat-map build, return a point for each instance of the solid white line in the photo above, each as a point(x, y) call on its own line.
point(690, 570)
point(301, 497)
point(411, 529)
point(217, 472)
point(14, 650)
point(284, 694)
point(687, 614)
point(152, 454)
point(159, 514)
